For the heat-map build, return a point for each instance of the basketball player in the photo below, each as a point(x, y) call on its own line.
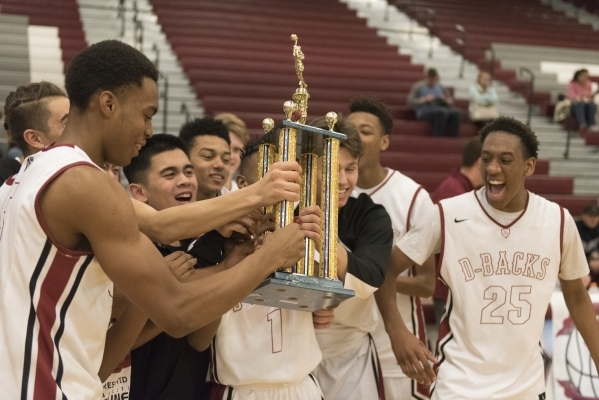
point(347, 369)
point(67, 230)
point(403, 199)
point(501, 250)
point(34, 117)
point(266, 352)
point(210, 153)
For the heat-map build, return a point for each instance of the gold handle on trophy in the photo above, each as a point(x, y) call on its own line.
point(309, 164)
point(286, 152)
point(329, 203)
point(266, 155)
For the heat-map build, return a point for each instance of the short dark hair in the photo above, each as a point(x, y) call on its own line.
point(375, 107)
point(591, 209)
point(108, 65)
point(528, 139)
point(432, 73)
point(201, 127)
point(248, 150)
point(353, 144)
point(137, 170)
point(471, 152)
point(27, 108)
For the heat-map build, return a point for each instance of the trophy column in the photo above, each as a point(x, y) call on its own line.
point(300, 286)
point(266, 155)
point(329, 203)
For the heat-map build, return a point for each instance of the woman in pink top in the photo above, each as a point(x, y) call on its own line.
point(581, 94)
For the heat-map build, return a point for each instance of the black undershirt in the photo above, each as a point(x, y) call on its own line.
point(167, 368)
point(365, 228)
point(8, 168)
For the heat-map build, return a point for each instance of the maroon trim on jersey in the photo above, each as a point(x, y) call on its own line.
point(376, 368)
point(442, 247)
point(383, 184)
point(411, 206)
point(445, 335)
point(497, 223)
point(56, 145)
point(42, 221)
point(10, 180)
point(51, 291)
point(561, 237)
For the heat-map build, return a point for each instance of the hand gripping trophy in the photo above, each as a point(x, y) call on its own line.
point(312, 283)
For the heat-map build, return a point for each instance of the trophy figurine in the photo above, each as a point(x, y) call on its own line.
point(312, 283)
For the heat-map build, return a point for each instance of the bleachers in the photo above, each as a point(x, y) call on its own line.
point(237, 56)
point(63, 14)
point(522, 22)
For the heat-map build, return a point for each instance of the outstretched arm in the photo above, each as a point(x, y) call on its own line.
point(412, 355)
point(83, 207)
point(583, 314)
point(422, 283)
point(194, 219)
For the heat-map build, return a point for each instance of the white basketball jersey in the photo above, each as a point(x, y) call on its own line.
point(402, 198)
point(500, 281)
point(262, 347)
point(54, 303)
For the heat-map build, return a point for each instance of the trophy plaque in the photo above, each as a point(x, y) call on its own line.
point(302, 286)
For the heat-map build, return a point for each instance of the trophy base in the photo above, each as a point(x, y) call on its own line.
point(299, 292)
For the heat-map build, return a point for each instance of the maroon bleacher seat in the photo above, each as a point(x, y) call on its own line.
point(238, 57)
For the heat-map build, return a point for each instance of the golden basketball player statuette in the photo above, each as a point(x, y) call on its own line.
point(303, 286)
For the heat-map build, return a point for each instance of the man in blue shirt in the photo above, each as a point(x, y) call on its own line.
point(433, 103)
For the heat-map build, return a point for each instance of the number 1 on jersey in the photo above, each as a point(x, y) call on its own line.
point(276, 330)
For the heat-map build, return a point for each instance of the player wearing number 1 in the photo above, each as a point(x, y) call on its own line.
point(501, 250)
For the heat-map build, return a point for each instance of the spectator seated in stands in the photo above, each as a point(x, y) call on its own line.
point(580, 93)
point(433, 103)
point(483, 100)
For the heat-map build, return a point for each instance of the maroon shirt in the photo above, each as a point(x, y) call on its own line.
point(454, 185)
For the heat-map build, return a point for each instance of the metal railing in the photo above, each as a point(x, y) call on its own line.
point(185, 110)
point(138, 29)
point(461, 41)
point(121, 15)
point(492, 66)
point(164, 94)
point(531, 92)
point(430, 24)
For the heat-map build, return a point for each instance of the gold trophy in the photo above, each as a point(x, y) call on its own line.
point(302, 286)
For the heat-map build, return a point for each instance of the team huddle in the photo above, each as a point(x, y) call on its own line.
point(96, 280)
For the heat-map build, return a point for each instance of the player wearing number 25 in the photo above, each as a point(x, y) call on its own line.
point(501, 249)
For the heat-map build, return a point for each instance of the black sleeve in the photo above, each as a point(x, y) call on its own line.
point(8, 168)
point(366, 229)
point(208, 249)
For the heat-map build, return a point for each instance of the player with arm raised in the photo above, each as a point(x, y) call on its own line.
point(67, 230)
